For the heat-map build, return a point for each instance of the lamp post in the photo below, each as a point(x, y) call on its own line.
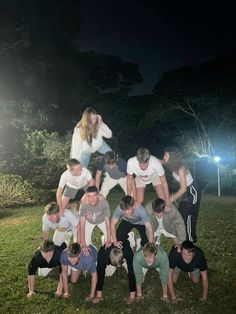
point(217, 160)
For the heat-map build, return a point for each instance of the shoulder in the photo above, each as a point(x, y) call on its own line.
point(132, 160)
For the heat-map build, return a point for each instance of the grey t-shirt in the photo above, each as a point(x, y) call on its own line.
point(95, 214)
point(139, 216)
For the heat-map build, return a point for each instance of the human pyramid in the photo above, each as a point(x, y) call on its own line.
point(119, 246)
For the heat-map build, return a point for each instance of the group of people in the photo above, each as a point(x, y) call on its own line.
point(160, 216)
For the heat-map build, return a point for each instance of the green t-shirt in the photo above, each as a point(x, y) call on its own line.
point(161, 261)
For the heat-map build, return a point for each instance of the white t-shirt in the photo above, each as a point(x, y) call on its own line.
point(66, 223)
point(75, 182)
point(162, 230)
point(154, 169)
point(189, 178)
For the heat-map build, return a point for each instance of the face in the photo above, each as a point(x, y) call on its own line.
point(149, 259)
point(128, 212)
point(143, 165)
point(76, 170)
point(73, 260)
point(47, 255)
point(166, 158)
point(186, 256)
point(92, 198)
point(54, 218)
point(93, 118)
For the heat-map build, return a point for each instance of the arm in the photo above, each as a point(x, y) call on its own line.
point(204, 285)
point(90, 182)
point(93, 284)
point(149, 232)
point(113, 229)
point(170, 285)
point(59, 197)
point(107, 222)
point(131, 186)
point(165, 190)
point(64, 278)
point(106, 132)
point(76, 144)
point(31, 281)
point(78, 233)
point(82, 234)
point(98, 179)
point(183, 185)
point(45, 235)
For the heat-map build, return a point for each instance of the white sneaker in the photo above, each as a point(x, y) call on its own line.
point(131, 239)
point(110, 270)
point(138, 243)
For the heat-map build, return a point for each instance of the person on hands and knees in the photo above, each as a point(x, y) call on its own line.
point(169, 223)
point(151, 256)
point(47, 256)
point(94, 212)
point(131, 217)
point(74, 258)
point(115, 256)
point(72, 180)
point(191, 260)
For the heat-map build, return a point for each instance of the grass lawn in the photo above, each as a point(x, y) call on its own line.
point(20, 232)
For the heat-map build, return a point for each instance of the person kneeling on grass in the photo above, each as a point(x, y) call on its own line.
point(151, 256)
point(114, 256)
point(77, 260)
point(47, 256)
point(191, 260)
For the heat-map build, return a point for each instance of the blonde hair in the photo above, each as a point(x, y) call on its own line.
point(150, 248)
point(88, 131)
point(143, 155)
point(116, 256)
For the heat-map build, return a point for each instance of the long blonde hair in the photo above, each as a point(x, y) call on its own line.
point(88, 131)
point(176, 160)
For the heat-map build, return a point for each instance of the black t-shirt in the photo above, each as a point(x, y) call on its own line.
point(198, 261)
point(38, 260)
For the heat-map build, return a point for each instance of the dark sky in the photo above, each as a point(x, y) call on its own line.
point(158, 35)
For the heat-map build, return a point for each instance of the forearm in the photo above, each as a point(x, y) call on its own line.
point(171, 287)
point(150, 234)
point(113, 231)
point(82, 233)
point(108, 228)
point(31, 281)
point(59, 197)
point(164, 291)
point(93, 284)
point(129, 184)
point(45, 235)
point(65, 281)
point(166, 192)
point(97, 181)
point(78, 234)
point(205, 289)
point(139, 289)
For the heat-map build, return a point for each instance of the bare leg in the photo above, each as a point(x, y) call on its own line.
point(140, 195)
point(159, 191)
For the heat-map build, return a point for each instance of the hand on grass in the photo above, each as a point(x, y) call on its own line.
point(30, 294)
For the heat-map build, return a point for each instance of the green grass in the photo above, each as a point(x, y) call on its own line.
point(20, 232)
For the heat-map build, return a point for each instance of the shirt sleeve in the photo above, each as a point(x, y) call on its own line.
point(101, 164)
point(130, 170)
point(143, 214)
point(87, 174)
point(73, 219)
point(105, 131)
point(163, 266)
point(45, 222)
point(64, 258)
point(107, 211)
point(33, 266)
point(172, 258)
point(117, 213)
point(138, 267)
point(122, 165)
point(62, 182)
point(76, 144)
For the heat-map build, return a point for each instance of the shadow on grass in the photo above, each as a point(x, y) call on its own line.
point(6, 213)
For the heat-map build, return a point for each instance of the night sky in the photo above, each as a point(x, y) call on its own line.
point(158, 35)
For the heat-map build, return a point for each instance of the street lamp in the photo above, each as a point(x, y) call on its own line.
point(217, 160)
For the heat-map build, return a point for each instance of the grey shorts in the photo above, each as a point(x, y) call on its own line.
point(70, 192)
point(196, 273)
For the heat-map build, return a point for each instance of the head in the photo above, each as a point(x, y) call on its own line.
point(116, 256)
point(158, 206)
point(52, 211)
point(143, 156)
point(73, 253)
point(74, 166)
point(47, 249)
point(88, 124)
point(187, 251)
point(127, 205)
point(173, 159)
point(92, 195)
point(149, 253)
point(110, 159)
